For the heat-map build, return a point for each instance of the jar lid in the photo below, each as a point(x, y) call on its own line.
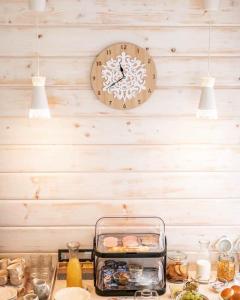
point(224, 244)
point(177, 255)
point(237, 245)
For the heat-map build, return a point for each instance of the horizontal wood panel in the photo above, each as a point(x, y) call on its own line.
point(171, 71)
point(58, 41)
point(131, 12)
point(119, 185)
point(82, 213)
point(110, 158)
point(121, 130)
point(15, 102)
point(42, 239)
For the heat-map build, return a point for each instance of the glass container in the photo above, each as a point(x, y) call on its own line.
point(41, 267)
point(203, 263)
point(226, 267)
point(129, 234)
point(74, 269)
point(129, 255)
point(129, 274)
point(46, 267)
point(34, 266)
point(177, 267)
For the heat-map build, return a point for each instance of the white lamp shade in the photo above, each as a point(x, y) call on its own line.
point(207, 105)
point(211, 4)
point(39, 107)
point(37, 5)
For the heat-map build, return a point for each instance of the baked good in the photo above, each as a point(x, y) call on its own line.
point(149, 240)
point(227, 293)
point(235, 297)
point(110, 242)
point(130, 241)
point(236, 289)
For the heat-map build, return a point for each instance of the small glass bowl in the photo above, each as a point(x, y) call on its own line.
point(217, 285)
point(175, 289)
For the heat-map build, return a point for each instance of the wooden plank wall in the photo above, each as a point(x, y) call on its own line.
point(59, 176)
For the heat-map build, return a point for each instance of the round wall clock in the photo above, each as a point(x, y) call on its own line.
point(123, 76)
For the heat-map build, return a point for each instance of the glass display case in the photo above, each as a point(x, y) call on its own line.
point(129, 255)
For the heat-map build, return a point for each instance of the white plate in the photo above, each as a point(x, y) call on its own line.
point(8, 293)
point(73, 293)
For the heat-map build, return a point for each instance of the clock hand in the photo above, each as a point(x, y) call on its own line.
point(123, 76)
point(111, 85)
point(115, 82)
point(121, 69)
point(119, 79)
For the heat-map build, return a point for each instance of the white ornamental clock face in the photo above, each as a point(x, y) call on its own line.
point(123, 76)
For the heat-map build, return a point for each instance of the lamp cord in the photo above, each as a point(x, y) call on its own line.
point(209, 47)
point(37, 46)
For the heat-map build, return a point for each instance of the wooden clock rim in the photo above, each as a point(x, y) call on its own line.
point(111, 45)
point(105, 49)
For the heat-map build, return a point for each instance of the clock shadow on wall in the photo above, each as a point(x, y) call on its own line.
point(123, 76)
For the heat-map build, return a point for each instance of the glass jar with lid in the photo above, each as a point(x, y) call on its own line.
point(226, 267)
point(177, 266)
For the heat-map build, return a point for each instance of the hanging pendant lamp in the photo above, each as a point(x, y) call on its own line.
point(207, 105)
point(39, 106)
point(37, 5)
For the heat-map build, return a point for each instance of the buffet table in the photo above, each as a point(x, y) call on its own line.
point(88, 284)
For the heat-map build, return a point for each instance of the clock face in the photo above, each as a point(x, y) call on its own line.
point(123, 76)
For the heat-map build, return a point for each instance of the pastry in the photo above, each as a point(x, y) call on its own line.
point(227, 293)
point(110, 242)
point(130, 241)
point(236, 289)
point(149, 240)
point(232, 293)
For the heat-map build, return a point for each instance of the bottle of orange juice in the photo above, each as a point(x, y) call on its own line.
point(74, 269)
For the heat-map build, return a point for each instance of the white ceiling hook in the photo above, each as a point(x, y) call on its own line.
point(211, 5)
point(224, 244)
point(37, 5)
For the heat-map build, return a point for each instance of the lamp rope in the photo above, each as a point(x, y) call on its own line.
point(209, 46)
point(37, 46)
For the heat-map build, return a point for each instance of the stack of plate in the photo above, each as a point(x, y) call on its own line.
point(8, 293)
